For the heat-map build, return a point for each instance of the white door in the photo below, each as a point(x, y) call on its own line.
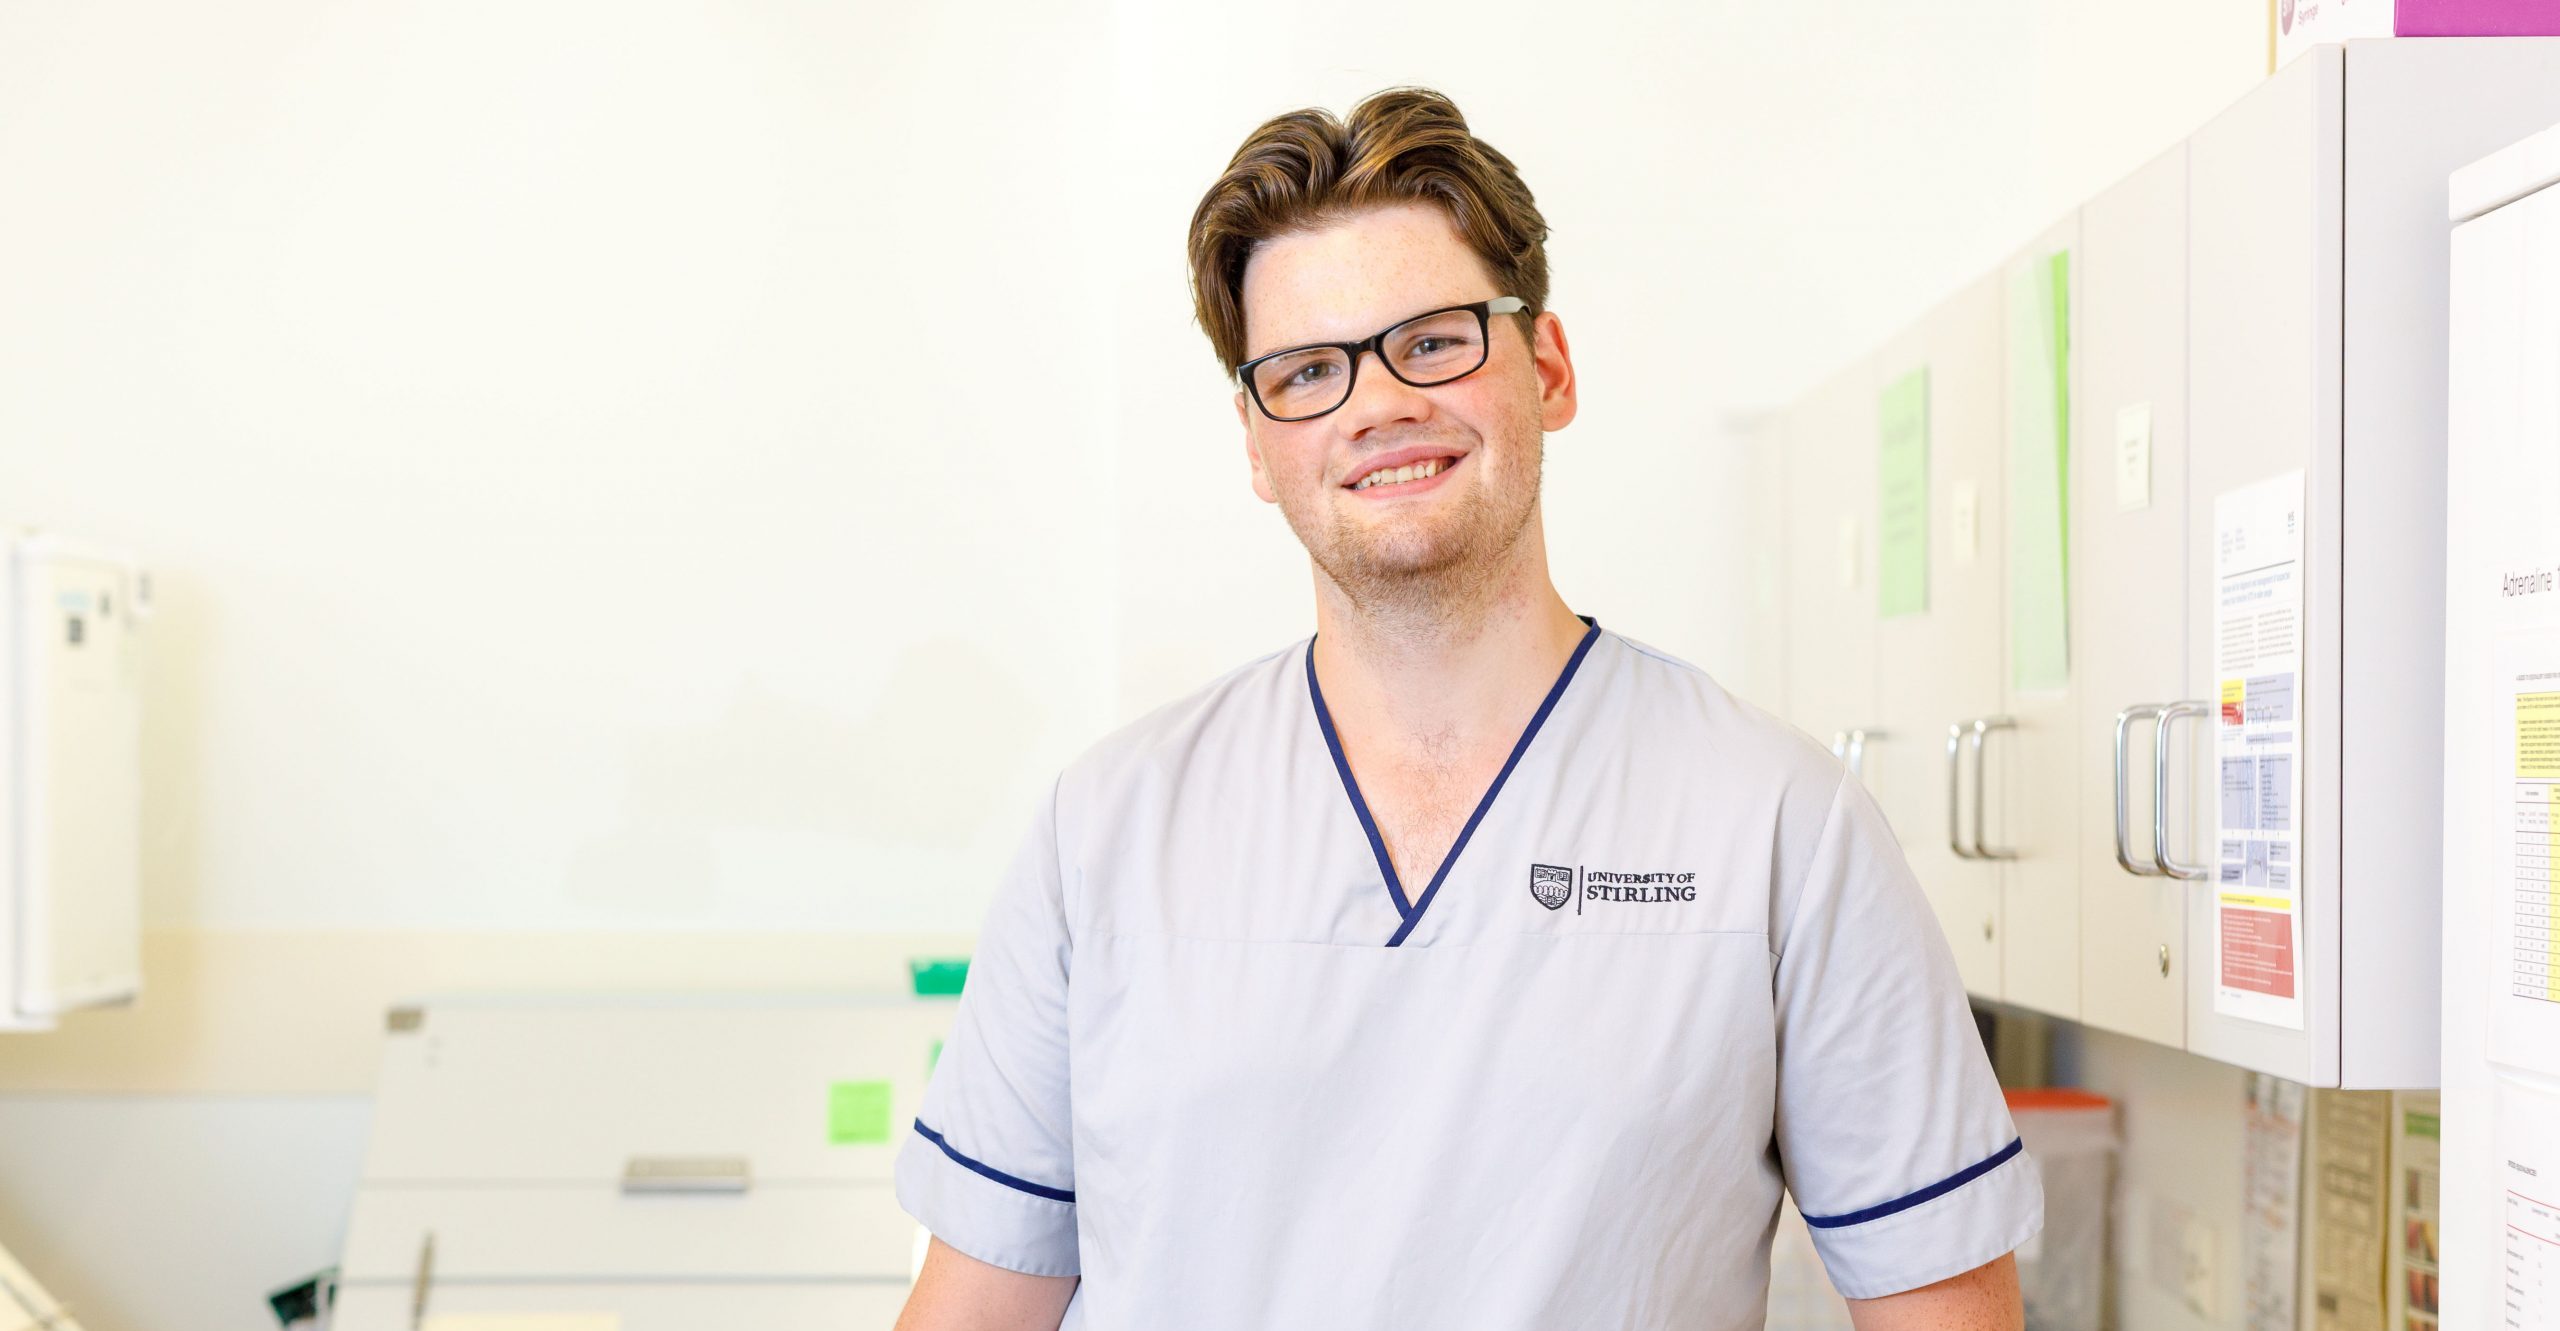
point(2040, 887)
point(2129, 591)
point(2264, 260)
point(1829, 467)
point(1939, 667)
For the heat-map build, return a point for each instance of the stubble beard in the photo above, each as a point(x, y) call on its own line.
point(1427, 580)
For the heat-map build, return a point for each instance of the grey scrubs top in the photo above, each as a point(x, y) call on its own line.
point(1217, 1059)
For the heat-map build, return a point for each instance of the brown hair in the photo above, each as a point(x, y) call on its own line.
point(1308, 169)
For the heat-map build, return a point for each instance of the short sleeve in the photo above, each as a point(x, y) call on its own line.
point(987, 1167)
point(1891, 1128)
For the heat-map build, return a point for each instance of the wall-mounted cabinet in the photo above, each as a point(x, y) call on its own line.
point(1938, 653)
point(1829, 577)
point(2156, 738)
point(2129, 657)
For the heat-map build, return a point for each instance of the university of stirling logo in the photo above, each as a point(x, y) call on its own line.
point(1552, 886)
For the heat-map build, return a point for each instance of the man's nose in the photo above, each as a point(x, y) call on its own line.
point(1379, 398)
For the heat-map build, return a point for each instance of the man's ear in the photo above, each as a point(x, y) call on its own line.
point(1253, 454)
point(1556, 384)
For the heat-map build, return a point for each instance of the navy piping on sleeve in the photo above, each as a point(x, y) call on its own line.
point(1911, 1199)
point(989, 1171)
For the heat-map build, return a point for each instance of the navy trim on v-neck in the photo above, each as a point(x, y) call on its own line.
point(1411, 913)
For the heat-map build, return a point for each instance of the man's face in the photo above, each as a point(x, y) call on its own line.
point(1483, 433)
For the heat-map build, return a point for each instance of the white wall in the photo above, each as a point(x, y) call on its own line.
point(585, 497)
point(2179, 1175)
point(564, 438)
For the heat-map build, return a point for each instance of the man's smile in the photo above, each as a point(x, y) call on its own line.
point(1405, 471)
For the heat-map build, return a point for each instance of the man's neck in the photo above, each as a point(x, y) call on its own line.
point(1452, 668)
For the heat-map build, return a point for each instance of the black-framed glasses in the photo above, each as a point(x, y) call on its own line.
point(1302, 383)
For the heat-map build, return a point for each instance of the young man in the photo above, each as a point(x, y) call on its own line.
point(1465, 965)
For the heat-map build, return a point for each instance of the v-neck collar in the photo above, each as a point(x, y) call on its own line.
point(1410, 913)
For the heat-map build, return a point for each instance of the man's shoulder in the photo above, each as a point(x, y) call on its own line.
point(1237, 707)
point(1682, 706)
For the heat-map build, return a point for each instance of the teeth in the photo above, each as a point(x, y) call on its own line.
point(1398, 475)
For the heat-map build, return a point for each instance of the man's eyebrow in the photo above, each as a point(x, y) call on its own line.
point(1339, 341)
point(1298, 346)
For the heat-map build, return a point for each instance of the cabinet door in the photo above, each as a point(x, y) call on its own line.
point(2264, 260)
point(2130, 586)
point(2040, 886)
point(1829, 471)
point(1940, 666)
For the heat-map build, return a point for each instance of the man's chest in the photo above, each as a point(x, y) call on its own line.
point(1420, 809)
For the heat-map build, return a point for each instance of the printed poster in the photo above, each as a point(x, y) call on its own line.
point(2257, 658)
point(2417, 1173)
point(2350, 1206)
point(2039, 500)
point(2270, 1202)
point(2528, 1216)
point(2524, 1021)
point(1902, 496)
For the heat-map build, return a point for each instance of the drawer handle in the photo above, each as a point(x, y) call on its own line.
point(2170, 716)
point(2141, 711)
point(644, 1174)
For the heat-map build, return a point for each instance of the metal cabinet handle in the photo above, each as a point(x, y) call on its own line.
point(2170, 715)
point(2140, 711)
point(1955, 791)
point(1983, 726)
point(1857, 755)
point(1840, 744)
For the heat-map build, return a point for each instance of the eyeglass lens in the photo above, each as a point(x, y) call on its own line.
point(1433, 349)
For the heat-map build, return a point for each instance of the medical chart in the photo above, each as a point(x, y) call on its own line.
point(2257, 656)
point(2527, 1195)
point(2524, 1027)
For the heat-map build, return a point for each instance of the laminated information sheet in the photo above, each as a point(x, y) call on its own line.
point(2524, 1029)
point(2270, 1201)
point(2350, 1204)
point(2257, 656)
point(1902, 496)
point(2417, 1174)
point(2527, 1194)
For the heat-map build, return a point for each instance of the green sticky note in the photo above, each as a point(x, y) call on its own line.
point(857, 1113)
point(938, 977)
point(2039, 333)
point(1902, 496)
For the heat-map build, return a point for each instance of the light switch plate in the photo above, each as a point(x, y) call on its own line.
point(2178, 1252)
point(2133, 457)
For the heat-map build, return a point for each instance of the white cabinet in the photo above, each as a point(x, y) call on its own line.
point(637, 1156)
point(2129, 642)
point(2318, 287)
point(2263, 302)
point(2262, 387)
point(2041, 767)
point(1828, 444)
point(1938, 668)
